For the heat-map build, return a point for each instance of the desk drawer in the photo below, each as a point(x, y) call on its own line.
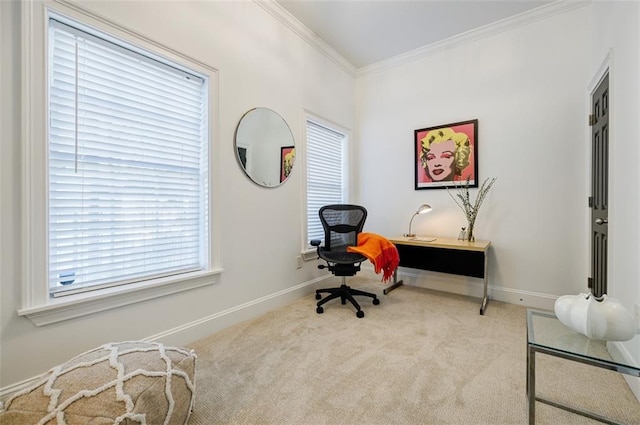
point(461, 262)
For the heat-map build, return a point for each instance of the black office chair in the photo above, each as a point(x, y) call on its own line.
point(341, 223)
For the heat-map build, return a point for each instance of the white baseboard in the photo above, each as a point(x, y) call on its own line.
point(469, 286)
point(189, 332)
point(620, 354)
point(9, 390)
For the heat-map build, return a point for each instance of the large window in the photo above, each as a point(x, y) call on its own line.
point(326, 172)
point(118, 193)
point(127, 168)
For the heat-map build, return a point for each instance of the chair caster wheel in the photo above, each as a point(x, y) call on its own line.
point(376, 301)
point(319, 310)
point(360, 314)
point(318, 296)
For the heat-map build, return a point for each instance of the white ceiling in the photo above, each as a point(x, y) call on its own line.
point(368, 31)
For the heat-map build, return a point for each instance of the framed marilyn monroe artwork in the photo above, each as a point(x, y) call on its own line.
point(446, 154)
point(287, 156)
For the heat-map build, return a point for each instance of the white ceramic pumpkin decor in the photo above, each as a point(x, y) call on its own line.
point(602, 319)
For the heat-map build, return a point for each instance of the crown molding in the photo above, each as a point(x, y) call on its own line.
point(291, 22)
point(525, 18)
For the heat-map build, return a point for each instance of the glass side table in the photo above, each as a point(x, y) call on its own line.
point(546, 334)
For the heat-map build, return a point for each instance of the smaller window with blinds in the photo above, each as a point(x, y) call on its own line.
point(127, 163)
point(326, 172)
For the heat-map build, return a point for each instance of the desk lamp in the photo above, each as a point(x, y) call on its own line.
point(424, 208)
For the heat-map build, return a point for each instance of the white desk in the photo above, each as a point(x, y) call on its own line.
point(444, 255)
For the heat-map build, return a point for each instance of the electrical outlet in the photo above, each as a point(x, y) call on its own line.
point(299, 262)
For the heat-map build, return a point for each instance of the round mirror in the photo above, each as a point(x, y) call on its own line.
point(264, 147)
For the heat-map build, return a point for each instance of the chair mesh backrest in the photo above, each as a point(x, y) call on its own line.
point(342, 223)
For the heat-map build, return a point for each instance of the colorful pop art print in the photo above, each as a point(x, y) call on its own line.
point(446, 154)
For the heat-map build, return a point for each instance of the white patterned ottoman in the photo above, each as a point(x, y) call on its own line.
point(118, 383)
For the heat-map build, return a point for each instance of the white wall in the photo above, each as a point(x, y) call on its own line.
point(526, 86)
point(530, 89)
point(261, 62)
point(615, 35)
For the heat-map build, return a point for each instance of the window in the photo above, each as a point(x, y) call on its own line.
point(127, 176)
point(119, 194)
point(326, 172)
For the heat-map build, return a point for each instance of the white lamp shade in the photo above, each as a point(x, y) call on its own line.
point(424, 208)
point(605, 320)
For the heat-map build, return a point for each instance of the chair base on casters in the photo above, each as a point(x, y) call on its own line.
point(345, 293)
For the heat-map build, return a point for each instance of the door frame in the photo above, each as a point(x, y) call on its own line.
point(606, 67)
point(617, 349)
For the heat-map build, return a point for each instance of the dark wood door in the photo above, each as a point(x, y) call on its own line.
point(599, 121)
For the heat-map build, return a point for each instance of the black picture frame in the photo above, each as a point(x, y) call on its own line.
point(286, 163)
point(446, 155)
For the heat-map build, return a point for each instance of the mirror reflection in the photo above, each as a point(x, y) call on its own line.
point(265, 147)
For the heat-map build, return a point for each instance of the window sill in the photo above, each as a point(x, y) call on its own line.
point(86, 303)
point(310, 254)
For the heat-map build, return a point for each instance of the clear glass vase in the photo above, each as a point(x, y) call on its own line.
point(470, 236)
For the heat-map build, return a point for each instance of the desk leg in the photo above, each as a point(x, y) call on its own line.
point(531, 385)
point(485, 298)
point(396, 283)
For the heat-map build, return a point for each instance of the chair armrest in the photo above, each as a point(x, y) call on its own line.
point(315, 242)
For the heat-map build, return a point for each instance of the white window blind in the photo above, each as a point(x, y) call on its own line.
point(128, 166)
point(325, 174)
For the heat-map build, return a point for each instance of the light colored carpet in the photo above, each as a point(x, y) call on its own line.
point(420, 357)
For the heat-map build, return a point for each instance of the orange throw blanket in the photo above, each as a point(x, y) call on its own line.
point(380, 251)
